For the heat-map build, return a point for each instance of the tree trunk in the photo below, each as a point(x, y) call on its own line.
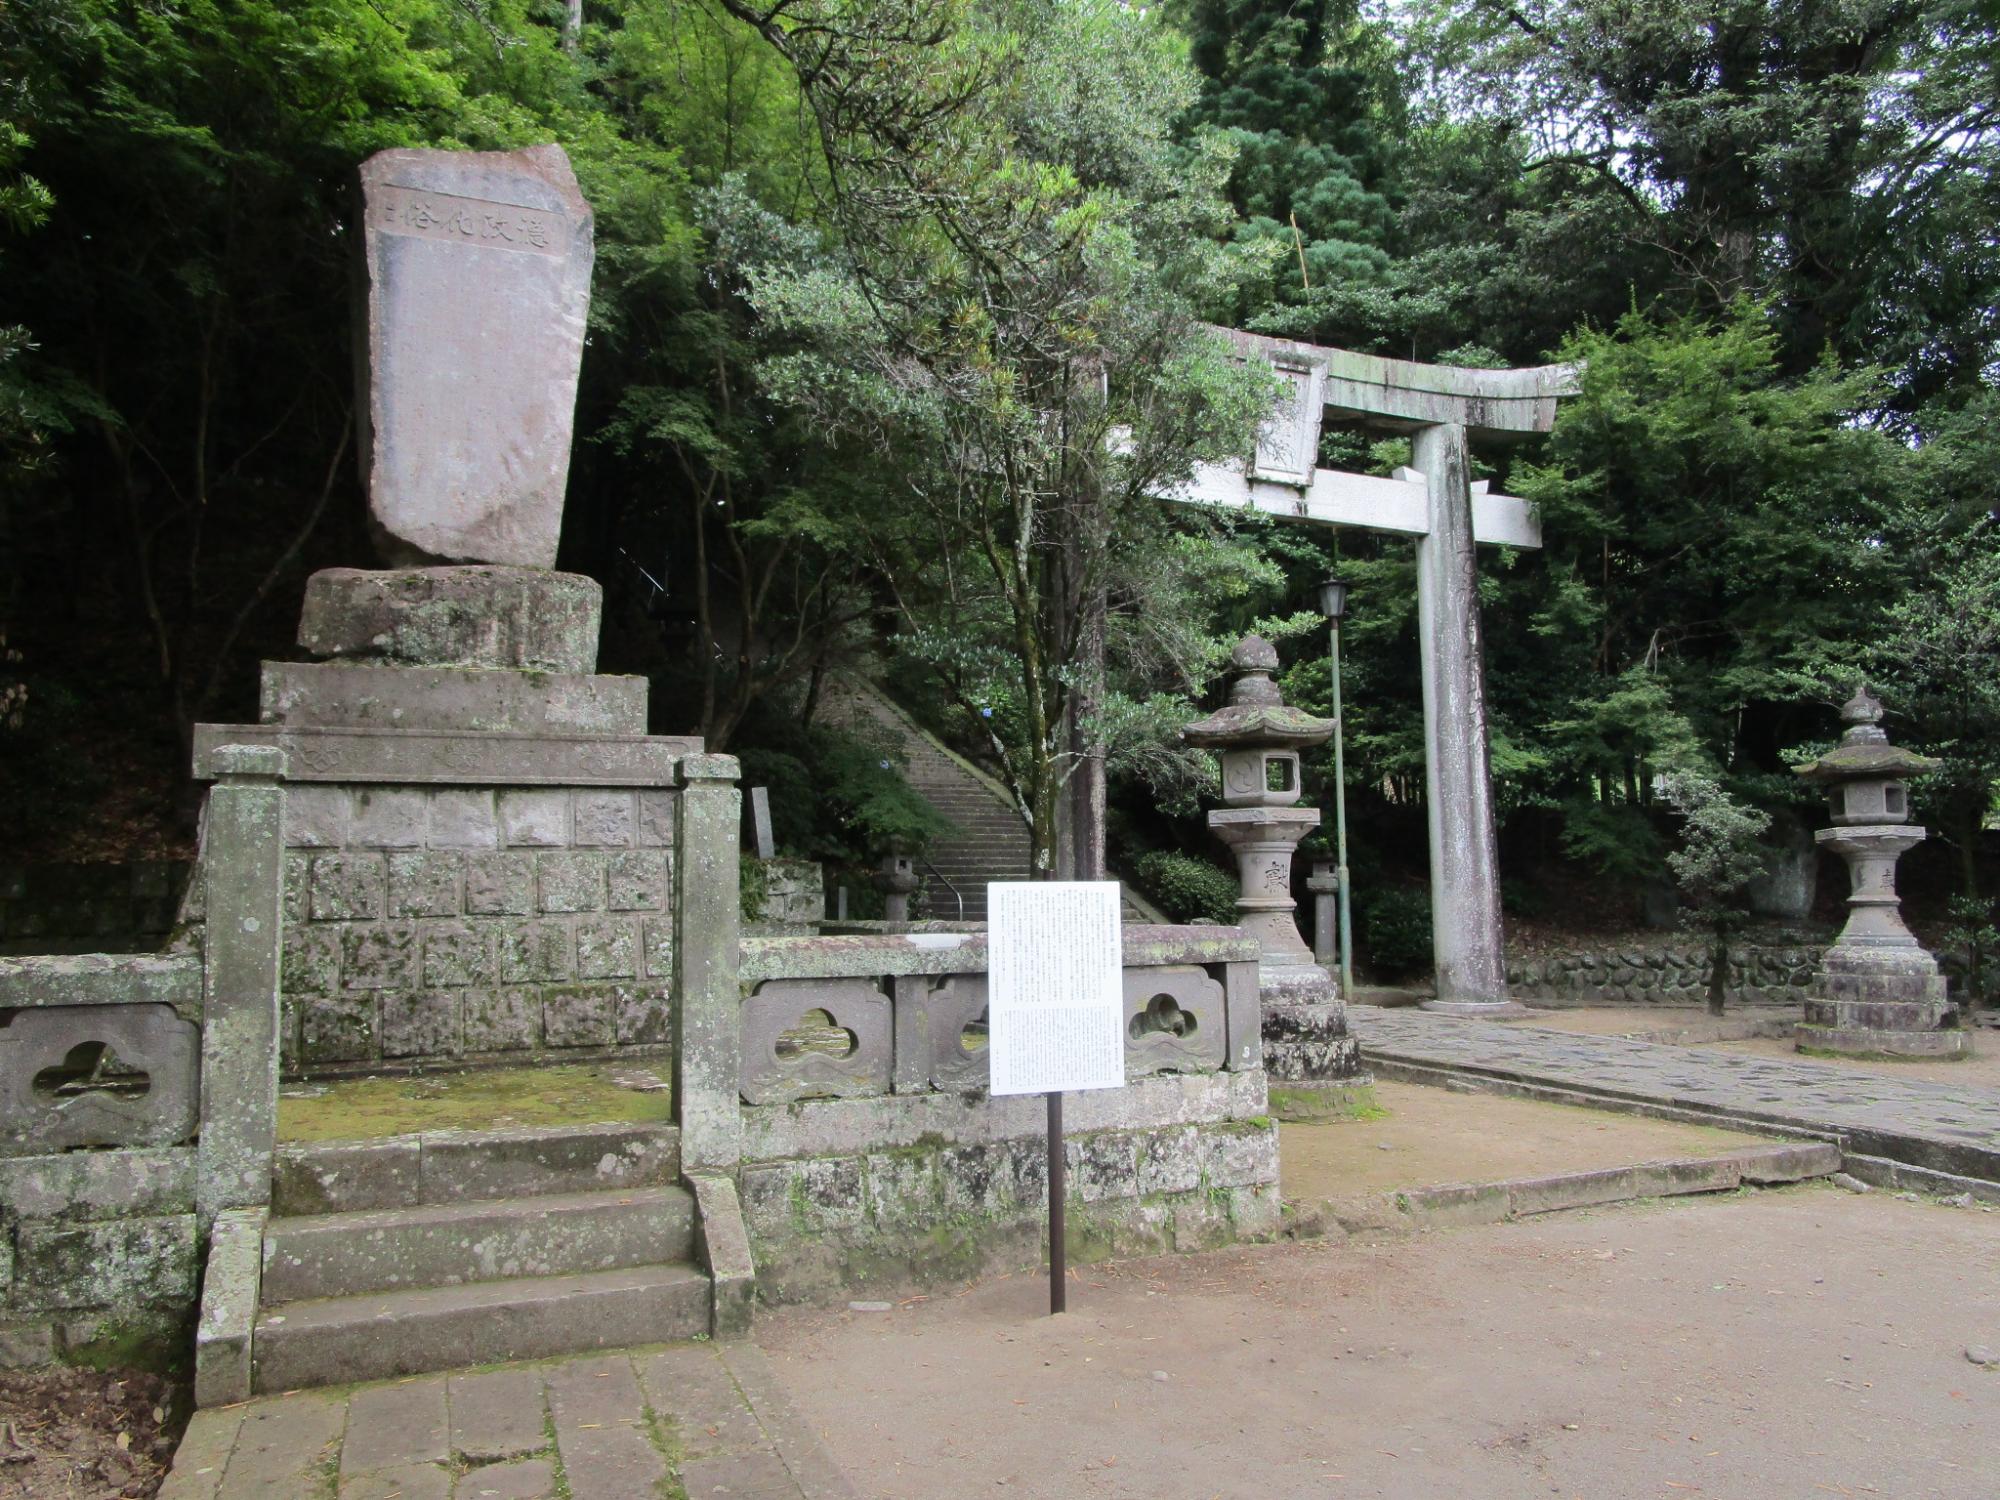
point(1718, 971)
point(1086, 786)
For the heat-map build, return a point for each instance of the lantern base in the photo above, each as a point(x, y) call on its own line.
point(1880, 1003)
point(1309, 1044)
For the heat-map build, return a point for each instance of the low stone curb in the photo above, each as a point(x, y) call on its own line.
point(1881, 1172)
point(1460, 1205)
point(1549, 1093)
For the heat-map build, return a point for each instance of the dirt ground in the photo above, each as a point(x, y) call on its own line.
point(1784, 1345)
point(1431, 1135)
point(1981, 1070)
point(86, 1434)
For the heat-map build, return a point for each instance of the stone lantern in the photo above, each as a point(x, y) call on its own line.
point(1877, 992)
point(897, 880)
point(1259, 740)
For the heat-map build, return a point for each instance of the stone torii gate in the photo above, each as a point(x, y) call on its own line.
point(1436, 501)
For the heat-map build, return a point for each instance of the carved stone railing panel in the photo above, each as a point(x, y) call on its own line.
point(1175, 1021)
point(787, 1052)
point(951, 1010)
point(98, 1075)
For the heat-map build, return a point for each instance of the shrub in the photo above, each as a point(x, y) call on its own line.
point(1395, 929)
point(1187, 887)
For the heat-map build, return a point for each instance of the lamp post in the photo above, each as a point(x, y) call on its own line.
point(1333, 604)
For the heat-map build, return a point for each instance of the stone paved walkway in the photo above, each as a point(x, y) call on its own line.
point(1938, 1127)
point(693, 1420)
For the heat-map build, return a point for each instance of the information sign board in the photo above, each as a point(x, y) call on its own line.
point(1055, 988)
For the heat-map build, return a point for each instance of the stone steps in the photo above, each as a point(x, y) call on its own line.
point(987, 842)
point(426, 1252)
point(357, 1254)
point(334, 1340)
point(457, 1166)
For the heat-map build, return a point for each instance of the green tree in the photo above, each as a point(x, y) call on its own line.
point(1022, 345)
point(1719, 854)
point(1835, 161)
point(1306, 97)
point(1708, 524)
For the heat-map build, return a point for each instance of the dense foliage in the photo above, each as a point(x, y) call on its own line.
point(896, 325)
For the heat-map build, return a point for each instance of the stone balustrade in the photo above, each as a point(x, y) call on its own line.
point(138, 1101)
point(872, 1153)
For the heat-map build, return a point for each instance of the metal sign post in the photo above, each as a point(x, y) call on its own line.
point(1056, 1006)
point(1058, 1197)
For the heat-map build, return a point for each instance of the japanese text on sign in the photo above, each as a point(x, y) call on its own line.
point(1055, 987)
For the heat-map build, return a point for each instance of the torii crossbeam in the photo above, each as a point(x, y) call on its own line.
point(1435, 501)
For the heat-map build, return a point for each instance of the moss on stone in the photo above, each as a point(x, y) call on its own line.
point(1300, 1106)
point(482, 1099)
point(159, 1344)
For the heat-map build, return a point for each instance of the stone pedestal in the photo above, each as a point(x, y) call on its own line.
point(1878, 993)
point(480, 835)
point(1325, 887)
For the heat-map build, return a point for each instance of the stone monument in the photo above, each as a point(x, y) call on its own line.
point(1259, 739)
point(478, 287)
point(1877, 993)
point(481, 832)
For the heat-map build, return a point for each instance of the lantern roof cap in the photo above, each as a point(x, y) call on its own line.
point(1864, 751)
point(1257, 714)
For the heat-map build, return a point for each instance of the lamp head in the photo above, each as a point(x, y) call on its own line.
point(1333, 599)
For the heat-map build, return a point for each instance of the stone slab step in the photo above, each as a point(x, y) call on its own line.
point(455, 1166)
point(341, 1339)
point(438, 1245)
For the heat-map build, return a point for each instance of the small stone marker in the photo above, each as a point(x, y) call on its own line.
point(760, 822)
point(478, 284)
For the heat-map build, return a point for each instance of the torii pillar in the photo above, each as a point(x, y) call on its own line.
point(1435, 500)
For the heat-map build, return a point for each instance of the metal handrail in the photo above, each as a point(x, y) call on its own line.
point(956, 894)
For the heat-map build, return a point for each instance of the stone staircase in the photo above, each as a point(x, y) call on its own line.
point(987, 842)
point(431, 1252)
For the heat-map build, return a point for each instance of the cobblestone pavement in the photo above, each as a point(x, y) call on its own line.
point(1940, 1127)
point(694, 1420)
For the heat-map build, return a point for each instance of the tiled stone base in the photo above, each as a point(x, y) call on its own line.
point(694, 1419)
point(934, 1213)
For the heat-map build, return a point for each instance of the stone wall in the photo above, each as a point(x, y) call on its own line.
point(1672, 974)
point(443, 924)
point(97, 1255)
point(55, 908)
point(888, 1165)
point(794, 900)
